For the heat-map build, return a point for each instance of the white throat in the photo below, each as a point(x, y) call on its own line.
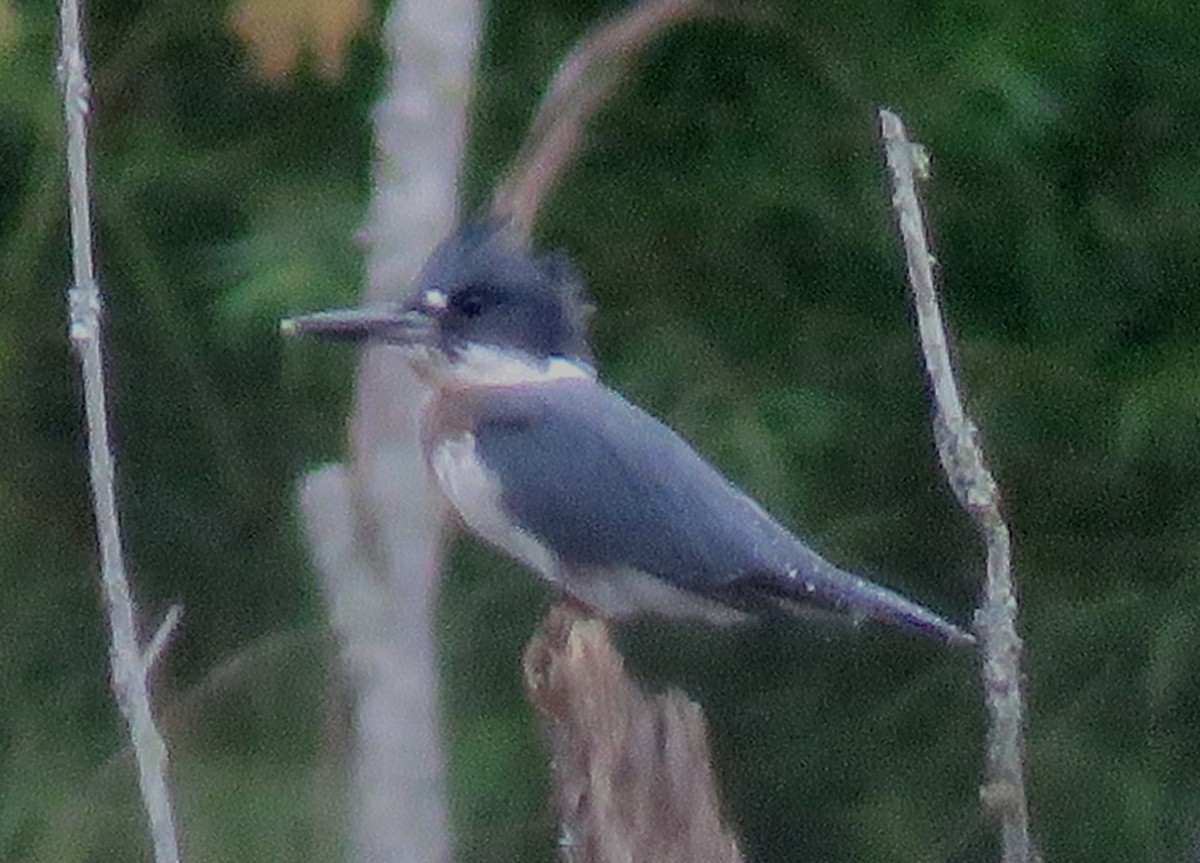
point(488, 366)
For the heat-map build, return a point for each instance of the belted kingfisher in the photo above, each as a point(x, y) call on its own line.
point(542, 460)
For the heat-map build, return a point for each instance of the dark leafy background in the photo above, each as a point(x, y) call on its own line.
point(731, 216)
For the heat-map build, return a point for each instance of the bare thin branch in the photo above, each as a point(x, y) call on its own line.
point(585, 79)
point(967, 471)
point(130, 685)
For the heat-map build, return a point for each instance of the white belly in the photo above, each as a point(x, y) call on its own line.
point(474, 491)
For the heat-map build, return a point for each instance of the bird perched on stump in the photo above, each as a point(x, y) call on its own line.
point(545, 462)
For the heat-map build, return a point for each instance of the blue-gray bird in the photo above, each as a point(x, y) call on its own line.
point(542, 460)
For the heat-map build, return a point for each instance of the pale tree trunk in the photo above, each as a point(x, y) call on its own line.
point(377, 526)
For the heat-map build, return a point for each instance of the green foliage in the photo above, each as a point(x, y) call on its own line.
point(731, 218)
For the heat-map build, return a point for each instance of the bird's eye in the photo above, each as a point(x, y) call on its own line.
point(470, 303)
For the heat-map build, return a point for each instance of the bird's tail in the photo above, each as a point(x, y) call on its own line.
point(813, 581)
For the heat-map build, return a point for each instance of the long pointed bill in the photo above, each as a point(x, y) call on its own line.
point(377, 323)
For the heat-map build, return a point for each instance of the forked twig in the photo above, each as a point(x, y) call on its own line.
point(129, 663)
point(967, 471)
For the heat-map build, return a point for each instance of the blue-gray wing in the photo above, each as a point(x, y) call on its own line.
point(603, 483)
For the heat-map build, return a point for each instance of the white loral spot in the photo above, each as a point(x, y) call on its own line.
point(435, 300)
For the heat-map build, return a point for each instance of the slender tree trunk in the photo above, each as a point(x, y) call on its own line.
point(376, 526)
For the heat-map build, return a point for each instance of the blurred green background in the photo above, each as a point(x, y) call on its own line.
point(731, 217)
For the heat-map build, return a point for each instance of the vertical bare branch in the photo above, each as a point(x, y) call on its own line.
point(967, 471)
point(130, 665)
point(376, 527)
point(632, 772)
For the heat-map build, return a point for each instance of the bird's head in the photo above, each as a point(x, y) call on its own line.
point(482, 308)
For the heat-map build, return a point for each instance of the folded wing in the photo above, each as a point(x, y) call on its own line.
point(610, 486)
